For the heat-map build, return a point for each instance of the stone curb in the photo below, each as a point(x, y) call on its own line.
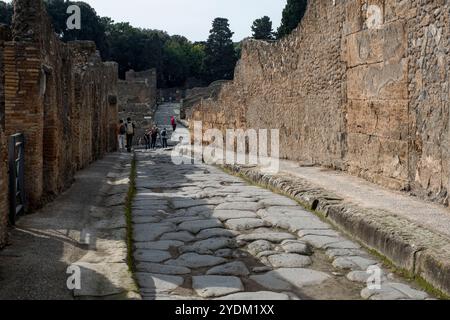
point(416, 249)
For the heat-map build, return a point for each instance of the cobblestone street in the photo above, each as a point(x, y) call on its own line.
point(202, 233)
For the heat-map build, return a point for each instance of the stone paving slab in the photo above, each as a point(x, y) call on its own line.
point(408, 231)
point(216, 286)
point(268, 246)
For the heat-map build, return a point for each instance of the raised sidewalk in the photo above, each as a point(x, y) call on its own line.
point(84, 227)
point(413, 234)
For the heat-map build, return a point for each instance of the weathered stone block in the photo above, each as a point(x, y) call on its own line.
point(378, 81)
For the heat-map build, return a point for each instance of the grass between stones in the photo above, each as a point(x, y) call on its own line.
point(128, 215)
point(386, 262)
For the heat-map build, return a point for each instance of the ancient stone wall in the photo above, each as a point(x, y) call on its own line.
point(4, 191)
point(4, 36)
point(195, 95)
point(61, 96)
point(360, 85)
point(137, 96)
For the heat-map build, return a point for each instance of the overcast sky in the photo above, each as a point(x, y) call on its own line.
point(191, 19)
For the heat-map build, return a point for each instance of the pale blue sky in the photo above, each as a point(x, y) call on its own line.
point(191, 19)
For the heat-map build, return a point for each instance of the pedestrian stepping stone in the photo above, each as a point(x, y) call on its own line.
point(162, 269)
point(285, 278)
point(393, 291)
point(216, 286)
point(236, 268)
point(183, 236)
point(259, 246)
point(158, 282)
point(353, 263)
point(256, 296)
point(194, 260)
point(245, 206)
point(224, 215)
point(209, 245)
point(245, 224)
point(151, 232)
point(216, 232)
point(275, 237)
point(196, 226)
point(291, 246)
point(143, 255)
point(289, 260)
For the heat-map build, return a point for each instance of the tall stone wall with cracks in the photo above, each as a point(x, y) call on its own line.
point(62, 97)
point(360, 86)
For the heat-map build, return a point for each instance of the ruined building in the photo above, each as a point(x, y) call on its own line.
point(62, 97)
point(137, 99)
point(360, 86)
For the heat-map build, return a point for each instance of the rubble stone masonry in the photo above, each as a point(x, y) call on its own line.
point(61, 96)
point(360, 86)
point(137, 99)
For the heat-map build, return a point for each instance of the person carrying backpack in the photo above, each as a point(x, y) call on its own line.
point(164, 138)
point(147, 139)
point(121, 133)
point(154, 135)
point(130, 129)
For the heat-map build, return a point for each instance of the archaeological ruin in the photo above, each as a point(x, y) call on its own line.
point(137, 99)
point(62, 97)
point(360, 86)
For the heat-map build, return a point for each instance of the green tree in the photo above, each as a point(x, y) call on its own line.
point(134, 48)
point(6, 13)
point(92, 26)
point(220, 56)
point(292, 15)
point(262, 29)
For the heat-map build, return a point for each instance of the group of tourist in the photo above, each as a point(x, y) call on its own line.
point(126, 132)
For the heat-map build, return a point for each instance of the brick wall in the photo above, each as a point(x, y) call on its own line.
point(4, 36)
point(4, 191)
point(61, 96)
point(372, 101)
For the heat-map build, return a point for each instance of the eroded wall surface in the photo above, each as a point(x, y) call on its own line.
point(62, 97)
point(360, 85)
